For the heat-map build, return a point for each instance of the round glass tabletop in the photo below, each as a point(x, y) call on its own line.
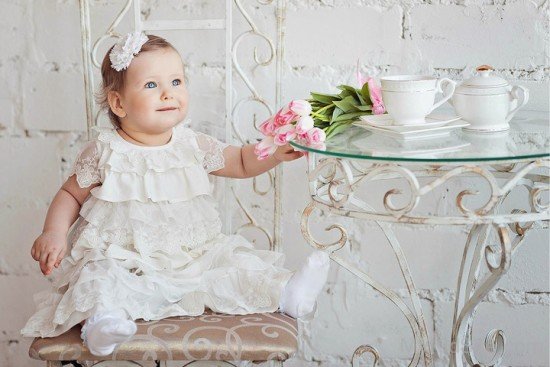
point(528, 137)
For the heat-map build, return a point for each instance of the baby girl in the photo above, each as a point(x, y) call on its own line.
point(147, 242)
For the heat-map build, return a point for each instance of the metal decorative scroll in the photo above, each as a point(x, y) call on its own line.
point(275, 50)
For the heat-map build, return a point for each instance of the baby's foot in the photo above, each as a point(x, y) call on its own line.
point(104, 332)
point(301, 291)
point(319, 259)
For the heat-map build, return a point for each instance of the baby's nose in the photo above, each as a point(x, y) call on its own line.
point(166, 94)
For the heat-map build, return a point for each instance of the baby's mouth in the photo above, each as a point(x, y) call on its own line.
point(167, 109)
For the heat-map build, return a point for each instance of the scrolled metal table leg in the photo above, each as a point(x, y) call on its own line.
point(469, 294)
point(415, 321)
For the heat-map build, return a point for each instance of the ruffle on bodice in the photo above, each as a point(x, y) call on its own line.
point(174, 172)
point(179, 152)
point(175, 185)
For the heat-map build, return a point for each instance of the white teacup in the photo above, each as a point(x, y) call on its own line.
point(410, 98)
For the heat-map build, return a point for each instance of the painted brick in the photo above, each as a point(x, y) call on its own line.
point(348, 310)
point(539, 99)
point(333, 36)
point(6, 115)
point(21, 223)
point(14, 351)
point(525, 328)
point(20, 288)
point(529, 270)
point(456, 36)
point(23, 179)
point(62, 109)
point(11, 28)
point(49, 22)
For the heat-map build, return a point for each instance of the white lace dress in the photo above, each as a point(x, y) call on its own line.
point(148, 240)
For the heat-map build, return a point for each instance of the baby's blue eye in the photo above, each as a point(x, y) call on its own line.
point(150, 85)
point(176, 82)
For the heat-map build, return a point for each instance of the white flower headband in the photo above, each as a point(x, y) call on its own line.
point(125, 49)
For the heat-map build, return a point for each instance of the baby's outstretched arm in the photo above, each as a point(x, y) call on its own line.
point(241, 162)
point(50, 247)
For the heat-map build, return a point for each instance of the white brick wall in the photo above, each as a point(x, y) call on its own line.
point(42, 120)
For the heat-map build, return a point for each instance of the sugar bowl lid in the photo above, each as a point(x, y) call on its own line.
point(484, 83)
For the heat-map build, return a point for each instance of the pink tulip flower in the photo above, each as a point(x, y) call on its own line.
point(265, 148)
point(301, 136)
point(375, 93)
point(304, 124)
point(284, 134)
point(268, 127)
point(284, 117)
point(315, 136)
point(300, 107)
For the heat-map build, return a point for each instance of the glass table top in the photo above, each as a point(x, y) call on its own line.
point(528, 137)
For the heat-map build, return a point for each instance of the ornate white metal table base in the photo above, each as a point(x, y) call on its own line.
point(334, 184)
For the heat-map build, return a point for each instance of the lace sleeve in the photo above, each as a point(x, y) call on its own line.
point(212, 150)
point(86, 166)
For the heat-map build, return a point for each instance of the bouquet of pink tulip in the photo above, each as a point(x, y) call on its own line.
point(292, 122)
point(314, 121)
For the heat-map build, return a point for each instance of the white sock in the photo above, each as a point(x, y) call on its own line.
point(301, 291)
point(105, 330)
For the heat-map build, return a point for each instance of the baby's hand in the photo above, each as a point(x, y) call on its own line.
point(49, 249)
point(286, 153)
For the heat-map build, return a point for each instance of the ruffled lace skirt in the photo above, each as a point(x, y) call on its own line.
point(156, 261)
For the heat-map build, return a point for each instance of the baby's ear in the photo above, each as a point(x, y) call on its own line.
point(115, 103)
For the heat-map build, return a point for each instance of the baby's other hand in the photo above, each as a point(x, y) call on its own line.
point(49, 249)
point(286, 153)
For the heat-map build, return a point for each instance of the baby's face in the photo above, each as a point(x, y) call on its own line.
point(154, 98)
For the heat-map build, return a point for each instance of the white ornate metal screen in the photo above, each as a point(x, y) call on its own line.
point(234, 106)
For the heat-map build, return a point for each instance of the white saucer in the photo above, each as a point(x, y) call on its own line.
point(424, 133)
point(385, 121)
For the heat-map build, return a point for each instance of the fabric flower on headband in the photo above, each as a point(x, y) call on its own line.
point(125, 49)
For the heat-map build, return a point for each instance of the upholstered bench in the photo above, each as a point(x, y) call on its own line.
point(209, 337)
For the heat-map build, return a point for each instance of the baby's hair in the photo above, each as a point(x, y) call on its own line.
point(113, 80)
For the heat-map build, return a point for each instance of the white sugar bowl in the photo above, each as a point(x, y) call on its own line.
point(487, 101)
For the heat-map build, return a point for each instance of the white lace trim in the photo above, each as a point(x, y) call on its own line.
point(86, 166)
point(212, 150)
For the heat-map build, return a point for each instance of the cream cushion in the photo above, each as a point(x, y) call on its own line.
point(211, 336)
